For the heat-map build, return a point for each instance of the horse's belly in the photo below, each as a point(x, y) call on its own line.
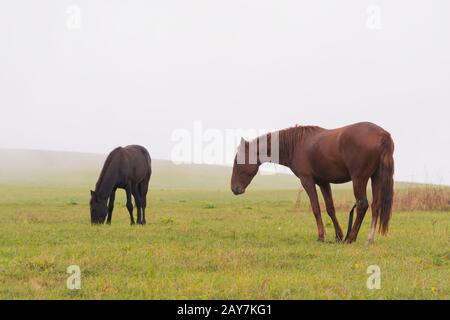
point(338, 180)
point(331, 172)
point(342, 178)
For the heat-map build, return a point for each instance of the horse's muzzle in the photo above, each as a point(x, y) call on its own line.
point(238, 190)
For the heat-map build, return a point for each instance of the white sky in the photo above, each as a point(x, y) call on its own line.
point(138, 70)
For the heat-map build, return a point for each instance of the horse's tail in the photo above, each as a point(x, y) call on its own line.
point(385, 173)
point(148, 158)
point(350, 221)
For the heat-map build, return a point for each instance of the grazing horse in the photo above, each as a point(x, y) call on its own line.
point(318, 156)
point(127, 168)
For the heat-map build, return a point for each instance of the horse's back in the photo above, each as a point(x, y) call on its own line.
point(138, 160)
point(335, 154)
point(361, 146)
point(362, 136)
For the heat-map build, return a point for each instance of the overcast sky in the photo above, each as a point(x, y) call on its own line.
point(124, 72)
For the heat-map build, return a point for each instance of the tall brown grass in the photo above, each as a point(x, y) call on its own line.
point(422, 198)
point(406, 198)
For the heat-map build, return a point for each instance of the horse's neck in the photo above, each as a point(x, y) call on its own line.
point(107, 181)
point(286, 151)
point(284, 147)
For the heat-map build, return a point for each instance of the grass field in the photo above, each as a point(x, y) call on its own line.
point(204, 243)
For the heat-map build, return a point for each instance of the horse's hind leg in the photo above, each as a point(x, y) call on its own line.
point(137, 199)
point(129, 203)
point(143, 188)
point(328, 198)
point(376, 194)
point(359, 189)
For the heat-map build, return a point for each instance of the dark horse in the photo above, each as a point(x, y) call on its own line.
point(127, 168)
point(318, 156)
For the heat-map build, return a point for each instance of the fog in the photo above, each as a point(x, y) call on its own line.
point(90, 75)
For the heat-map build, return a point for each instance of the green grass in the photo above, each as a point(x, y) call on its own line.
point(209, 244)
point(200, 241)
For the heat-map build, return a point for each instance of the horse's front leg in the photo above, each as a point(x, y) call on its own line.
point(328, 198)
point(112, 197)
point(310, 188)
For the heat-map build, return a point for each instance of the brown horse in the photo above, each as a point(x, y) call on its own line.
point(128, 168)
point(318, 156)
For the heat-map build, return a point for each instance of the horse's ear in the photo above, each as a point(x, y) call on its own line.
point(242, 141)
point(92, 193)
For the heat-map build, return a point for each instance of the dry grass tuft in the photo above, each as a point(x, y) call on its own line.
point(423, 198)
point(406, 198)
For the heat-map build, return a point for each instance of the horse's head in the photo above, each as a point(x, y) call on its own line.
point(98, 209)
point(243, 169)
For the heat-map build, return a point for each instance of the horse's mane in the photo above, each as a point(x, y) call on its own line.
point(106, 165)
point(289, 137)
